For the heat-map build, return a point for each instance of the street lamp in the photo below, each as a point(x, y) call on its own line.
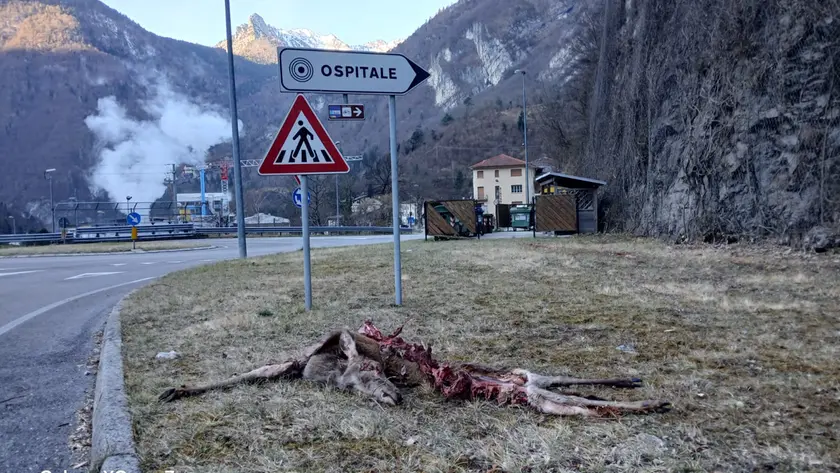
point(14, 225)
point(337, 207)
point(525, 132)
point(48, 177)
point(127, 205)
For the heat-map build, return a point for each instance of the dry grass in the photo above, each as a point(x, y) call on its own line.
point(81, 248)
point(743, 341)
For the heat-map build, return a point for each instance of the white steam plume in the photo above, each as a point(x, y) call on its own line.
point(136, 155)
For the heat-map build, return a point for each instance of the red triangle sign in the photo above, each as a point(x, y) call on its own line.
point(302, 146)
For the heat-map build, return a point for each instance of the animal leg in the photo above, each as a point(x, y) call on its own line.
point(289, 369)
point(546, 382)
point(550, 402)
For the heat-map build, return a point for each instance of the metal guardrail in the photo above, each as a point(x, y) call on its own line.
point(141, 229)
point(116, 233)
point(30, 237)
point(313, 229)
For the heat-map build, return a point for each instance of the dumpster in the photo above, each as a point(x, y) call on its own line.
point(520, 217)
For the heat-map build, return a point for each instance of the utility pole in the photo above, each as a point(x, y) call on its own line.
point(234, 124)
point(174, 195)
point(48, 177)
point(525, 131)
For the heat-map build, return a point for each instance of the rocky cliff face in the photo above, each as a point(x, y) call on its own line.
point(716, 119)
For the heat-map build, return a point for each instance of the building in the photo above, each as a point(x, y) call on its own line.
point(501, 180)
point(216, 203)
point(585, 192)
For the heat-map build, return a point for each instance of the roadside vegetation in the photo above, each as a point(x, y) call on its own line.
point(80, 248)
point(743, 340)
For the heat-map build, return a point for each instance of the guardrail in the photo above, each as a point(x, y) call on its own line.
point(312, 229)
point(169, 229)
point(116, 233)
point(30, 237)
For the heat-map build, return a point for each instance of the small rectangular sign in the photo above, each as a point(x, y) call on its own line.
point(347, 112)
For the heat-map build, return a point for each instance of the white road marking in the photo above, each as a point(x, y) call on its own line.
point(118, 264)
point(174, 262)
point(9, 326)
point(149, 262)
point(207, 260)
point(92, 275)
point(21, 272)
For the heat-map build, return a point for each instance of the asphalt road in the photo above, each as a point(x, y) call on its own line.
point(50, 308)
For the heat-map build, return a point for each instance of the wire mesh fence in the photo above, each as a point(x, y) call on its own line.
point(77, 214)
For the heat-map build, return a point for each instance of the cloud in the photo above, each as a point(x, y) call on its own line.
point(136, 155)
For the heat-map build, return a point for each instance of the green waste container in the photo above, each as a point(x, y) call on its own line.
point(520, 217)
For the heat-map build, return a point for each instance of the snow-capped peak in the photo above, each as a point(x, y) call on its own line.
point(257, 29)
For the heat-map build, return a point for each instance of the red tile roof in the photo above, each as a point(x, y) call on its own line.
point(499, 161)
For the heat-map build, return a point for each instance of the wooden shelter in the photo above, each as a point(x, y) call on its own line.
point(585, 193)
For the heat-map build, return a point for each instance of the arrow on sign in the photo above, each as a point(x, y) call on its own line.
point(347, 72)
point(357, 111)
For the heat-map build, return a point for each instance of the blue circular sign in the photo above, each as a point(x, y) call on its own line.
point(133, 219)
point(297, 199)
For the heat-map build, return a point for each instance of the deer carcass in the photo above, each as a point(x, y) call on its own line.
point(374, 365)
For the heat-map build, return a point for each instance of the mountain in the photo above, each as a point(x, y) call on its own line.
point(258, 41)
point(709, 119)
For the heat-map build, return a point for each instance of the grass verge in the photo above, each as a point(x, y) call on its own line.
point(744, 341)
point(81, 248)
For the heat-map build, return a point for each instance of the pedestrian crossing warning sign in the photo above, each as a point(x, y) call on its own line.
point(302, 146)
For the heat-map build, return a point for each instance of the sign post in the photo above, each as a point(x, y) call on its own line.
point(302, 146)
point(395, 198)
point(133, 219)
point(360, 73)
point(307, 270)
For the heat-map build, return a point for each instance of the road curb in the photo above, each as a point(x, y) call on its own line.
point(113, 253)
point(112, 442)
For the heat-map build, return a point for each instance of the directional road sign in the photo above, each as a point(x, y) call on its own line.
point(347, 72)
point(133, 219)
point(297, 198)
point(347, 112)
point(302, 146)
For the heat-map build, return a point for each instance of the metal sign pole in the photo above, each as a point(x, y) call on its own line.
point(337, 200)
point(304, 212)
point(395, 197)
point(234, 124)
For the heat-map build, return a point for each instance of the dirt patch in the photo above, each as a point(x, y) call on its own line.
point(742, 340)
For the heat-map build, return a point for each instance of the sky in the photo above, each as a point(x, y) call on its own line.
point(354, 21)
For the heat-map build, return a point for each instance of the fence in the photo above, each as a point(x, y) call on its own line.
point(503, 216)
point(76, 214)
point(451, 218)
point(555, 213)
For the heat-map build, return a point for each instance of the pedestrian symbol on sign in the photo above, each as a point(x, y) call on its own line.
point(303, 135)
